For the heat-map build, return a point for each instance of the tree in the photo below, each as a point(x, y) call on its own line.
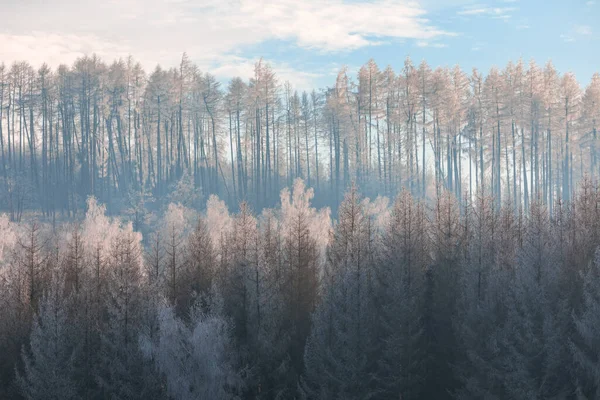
point(484, 290)
point(441, 294)
point(495, 109)
point(533, 346)
point(400, 278)
point(584, 345)
point(338, 350)
point(301, 266)
point(570, 95)
point(197, 359)
point(49, 370)
point(200, 264)
point(175, 229)
point(123, 373)
point(591, 114)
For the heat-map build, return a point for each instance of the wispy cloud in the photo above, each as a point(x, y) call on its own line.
point(425, 43)
point(577, 32)
point(229, 66)
point(213, 32)
point(330, 26)
point(478, 46)
point(498, 12)
point(584, 30)
point(54, 49)
point(590, 3)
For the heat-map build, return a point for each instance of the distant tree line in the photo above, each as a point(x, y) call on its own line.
point(411, 300)
point(522, 134)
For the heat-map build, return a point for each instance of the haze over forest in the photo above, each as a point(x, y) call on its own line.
point(137, 141)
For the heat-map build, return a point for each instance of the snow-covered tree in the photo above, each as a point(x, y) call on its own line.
point(176, 225)
point(198, 359)
point(122, 371)
point(533, 346)
point(402, 260)
point(49, 369)
point(301, 266)
point(200, 264)
point(337, 355)
point(440, 293)
point(486, 277)
point(585, 344)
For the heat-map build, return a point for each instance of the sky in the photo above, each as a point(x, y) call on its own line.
point(305, 41)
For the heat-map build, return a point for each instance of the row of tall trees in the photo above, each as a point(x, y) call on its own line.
point(453, 299)
point(520, 134)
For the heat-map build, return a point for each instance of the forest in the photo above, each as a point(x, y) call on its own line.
point(399, 299)
point(137, 141)
point(429, 234)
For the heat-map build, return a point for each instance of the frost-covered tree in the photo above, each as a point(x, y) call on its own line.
point(200, 265)
point(198, 359)
point(402, 261)
point(591, 119)
point(440, 293)
point(122, 371)
point(301, 266)
point(533, 346)
point(75, 261)
point(241, 301)
point(33, 261)
point(176, 225)
point(15, 314)
point(272, 369)
point(337, 356)
point(585, 343)
point(49, 361)
point(481, 312)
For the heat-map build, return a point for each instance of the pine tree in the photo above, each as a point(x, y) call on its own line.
point(273, 374)
point(338, 348)
point(441, 294)
point(481, 311)
point(585, 344)
point(200, 265)
point(533, 346)
point(49, 362)
point(122, 371)
point(301, 261)
point(198, 359)
point(400, 277)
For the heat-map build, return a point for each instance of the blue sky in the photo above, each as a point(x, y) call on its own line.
point(306, 41)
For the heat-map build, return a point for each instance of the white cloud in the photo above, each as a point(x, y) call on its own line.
point(54, 49)
point(221, 26)
point(229, 66)
point(497, 12)
point(212, 32)
point(479, 46)
point(424, 43)
point(57, 49)
point(473, 11)
point(567, 38)
point(584, 30)
point(577, 32)
point(590, 3)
